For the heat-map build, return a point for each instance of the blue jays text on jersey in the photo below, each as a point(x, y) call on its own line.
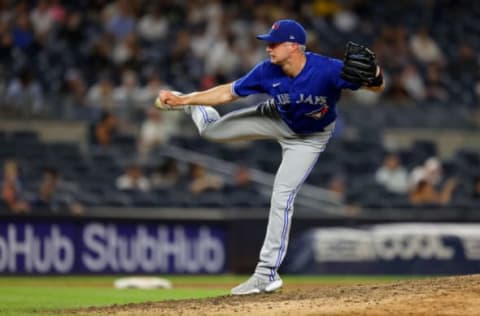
point(306, 102)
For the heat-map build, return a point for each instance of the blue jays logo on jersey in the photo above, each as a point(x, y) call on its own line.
point(319, 113)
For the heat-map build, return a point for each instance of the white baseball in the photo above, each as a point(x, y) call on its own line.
point(158, 103)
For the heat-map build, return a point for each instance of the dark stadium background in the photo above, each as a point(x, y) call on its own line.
point(78, 80)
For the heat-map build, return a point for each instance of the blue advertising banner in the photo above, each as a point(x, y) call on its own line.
point(97, 247)
point(387, 249)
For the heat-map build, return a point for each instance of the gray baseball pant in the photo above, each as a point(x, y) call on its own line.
point(299, 155)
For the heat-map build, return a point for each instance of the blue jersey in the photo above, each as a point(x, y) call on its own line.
point(307, 102)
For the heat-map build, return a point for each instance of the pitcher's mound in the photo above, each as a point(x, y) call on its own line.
point(458, 295)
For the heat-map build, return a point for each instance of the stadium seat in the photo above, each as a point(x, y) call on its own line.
point(208, 199)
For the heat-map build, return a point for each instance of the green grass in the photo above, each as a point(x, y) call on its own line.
point(34, 301)
point(31, 296)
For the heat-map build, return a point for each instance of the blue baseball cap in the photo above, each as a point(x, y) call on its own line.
point(285, 31)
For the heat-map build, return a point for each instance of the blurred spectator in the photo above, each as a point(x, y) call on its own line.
point(149, 92)
point(75, 88)
point(100, 95)
point(338, 188)
point(127, 97)
point(431, 171)
point(54, 195)
point(155, 130)
point(133, 179)
point(42, 20)
point(345, 20)
point(242, 191)
point(24, 93)
point(250, 51)
point(466, 65)
point(45, 201)
point(242, 178)
point(425, 49)
point(167, 175)
point(104, 130)
point(396, 92)
point(413, 83)
point(222, 49)
point(200, 180)
point(153, 26)
point(391, 47)
point(201, 41)
point(11, 174)
point(12, 199)
point(127, 51)
point(22, 34)
point(392, 175)
point(424, 193)
point(11, 188)
point(119, 18)
point(57, 11)
point(436, 88)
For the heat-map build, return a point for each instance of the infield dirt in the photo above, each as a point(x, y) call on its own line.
point(434, 296)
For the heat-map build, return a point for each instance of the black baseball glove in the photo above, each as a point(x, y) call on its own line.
point(360, 66)
point(268, 108)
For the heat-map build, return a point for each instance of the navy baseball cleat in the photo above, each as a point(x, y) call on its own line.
point(257, 285)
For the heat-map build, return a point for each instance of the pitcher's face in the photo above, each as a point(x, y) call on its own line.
point(280, 52)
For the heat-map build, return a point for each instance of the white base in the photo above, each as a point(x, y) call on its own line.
point(142, 283)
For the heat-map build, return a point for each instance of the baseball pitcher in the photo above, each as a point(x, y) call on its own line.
point(305, 88)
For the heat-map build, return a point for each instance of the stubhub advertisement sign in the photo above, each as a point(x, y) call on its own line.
point(387, 249)
point(110, 248)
